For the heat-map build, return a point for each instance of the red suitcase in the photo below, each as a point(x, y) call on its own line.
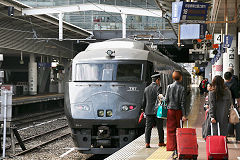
point(216, 146)
point(187, 146)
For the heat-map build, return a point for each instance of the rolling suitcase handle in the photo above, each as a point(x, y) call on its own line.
point(218, 129)
point(181, 124)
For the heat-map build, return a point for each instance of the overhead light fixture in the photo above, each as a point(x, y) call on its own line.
point(21, 60)
point(10, 11)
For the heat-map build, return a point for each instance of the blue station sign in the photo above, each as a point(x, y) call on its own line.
point(189, 12)
point(227, 41)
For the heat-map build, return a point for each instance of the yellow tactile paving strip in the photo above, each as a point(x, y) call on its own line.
point(160, 154)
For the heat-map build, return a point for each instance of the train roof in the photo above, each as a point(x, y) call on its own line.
point(124, 49)
point(117, 43)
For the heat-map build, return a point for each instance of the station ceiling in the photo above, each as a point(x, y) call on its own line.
point(218, 14)
point(218, 11)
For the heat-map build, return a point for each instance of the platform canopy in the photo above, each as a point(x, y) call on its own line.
point(34, 34)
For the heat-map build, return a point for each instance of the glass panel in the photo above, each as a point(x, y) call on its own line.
point(108, 72)
point(129, 72)
point(106, 21)
point(91, 72)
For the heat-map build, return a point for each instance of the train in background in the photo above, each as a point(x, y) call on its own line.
point(103, 96)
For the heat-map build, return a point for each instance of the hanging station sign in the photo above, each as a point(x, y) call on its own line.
point(189, 12)
point(227, 41)
point(193, 31)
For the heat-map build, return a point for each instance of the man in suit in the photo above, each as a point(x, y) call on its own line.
point(149, 105)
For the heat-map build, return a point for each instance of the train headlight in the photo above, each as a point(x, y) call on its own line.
point(125, 108)
point(82, 107)
point(109, 113)
point(100, 113)
point(110, 53)
point(128, 107)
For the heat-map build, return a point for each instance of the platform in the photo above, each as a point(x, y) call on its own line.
point(136, 150)
point(37, 98)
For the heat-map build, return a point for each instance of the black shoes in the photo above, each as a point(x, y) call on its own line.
point(148, 145)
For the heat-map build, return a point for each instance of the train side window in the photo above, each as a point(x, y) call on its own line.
point(149, 72)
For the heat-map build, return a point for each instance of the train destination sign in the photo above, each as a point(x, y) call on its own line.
point(189, 12)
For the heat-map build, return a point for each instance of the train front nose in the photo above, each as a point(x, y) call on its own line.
point(113, 106)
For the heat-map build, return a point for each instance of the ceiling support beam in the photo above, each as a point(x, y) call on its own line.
point(60, 32)
point(124, 11)
point(124, 25)
point(225, 16)
point(93, 7)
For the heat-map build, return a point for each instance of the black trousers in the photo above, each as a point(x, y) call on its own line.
point(150, 122)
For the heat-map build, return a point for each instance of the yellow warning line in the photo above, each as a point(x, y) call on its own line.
point(160, 154)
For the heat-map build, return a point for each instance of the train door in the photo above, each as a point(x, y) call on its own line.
point(164, 83)
point(149, 72)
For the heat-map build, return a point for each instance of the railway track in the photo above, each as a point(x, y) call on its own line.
point(20, 122)
point(42, 144)
point(43, 134)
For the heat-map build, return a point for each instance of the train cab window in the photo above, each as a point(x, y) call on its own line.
point(129, 72)
point(108, 72)
point(94, 72)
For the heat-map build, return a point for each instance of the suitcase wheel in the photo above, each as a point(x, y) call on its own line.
point(211, 158)
point(225, 158)
point(195, 157)
point(181, 157)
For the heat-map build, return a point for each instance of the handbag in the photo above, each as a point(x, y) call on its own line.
point(141, 117)
point(233, 116)
point(162, 110)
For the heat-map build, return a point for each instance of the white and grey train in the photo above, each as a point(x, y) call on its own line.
point(104, 94)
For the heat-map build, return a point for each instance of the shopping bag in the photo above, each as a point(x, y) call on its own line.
point(162, 110)
point(233, 116)
point(141, 117)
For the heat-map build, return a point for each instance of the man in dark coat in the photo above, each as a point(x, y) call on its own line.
point(232, 84)
point(149, 105)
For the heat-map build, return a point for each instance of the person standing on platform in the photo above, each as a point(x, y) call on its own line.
point(233, 87)
point(175, 99)
point(149, 105)
point(205, 87)
point(235, 81)
point(220, 101)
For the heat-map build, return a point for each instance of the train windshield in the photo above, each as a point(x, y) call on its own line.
point(109, 72)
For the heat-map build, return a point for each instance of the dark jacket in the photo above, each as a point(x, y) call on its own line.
point(175, 97)
point(233, 87)
point(150, 97)
point(219, 110)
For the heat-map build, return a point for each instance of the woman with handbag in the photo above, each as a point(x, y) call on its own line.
point(220, 100)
